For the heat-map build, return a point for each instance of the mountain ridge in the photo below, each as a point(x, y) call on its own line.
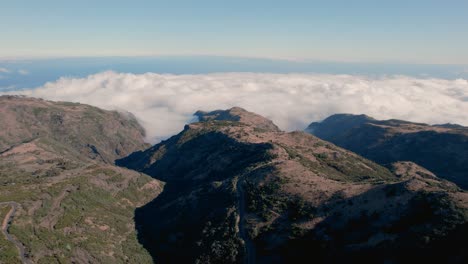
point(440, 148)
point(235, 193)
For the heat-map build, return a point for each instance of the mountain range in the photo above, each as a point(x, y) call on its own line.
point(443, 149)
point(230, 188)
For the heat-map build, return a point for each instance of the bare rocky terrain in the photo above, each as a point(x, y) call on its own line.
point(239, 190)
point(443, 149)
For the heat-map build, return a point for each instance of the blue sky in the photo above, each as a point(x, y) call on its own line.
point(432, 32)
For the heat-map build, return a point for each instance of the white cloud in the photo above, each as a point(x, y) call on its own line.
point(4, 70)
point(164, 103)
point(23, 72)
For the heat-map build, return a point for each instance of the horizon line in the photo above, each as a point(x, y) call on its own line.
point(6, 59)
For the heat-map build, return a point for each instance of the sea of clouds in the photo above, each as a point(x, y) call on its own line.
point(164, 103)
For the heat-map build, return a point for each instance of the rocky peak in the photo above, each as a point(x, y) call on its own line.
point(237, 114)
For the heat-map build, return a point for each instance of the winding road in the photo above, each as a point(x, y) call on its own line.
point(249, 246)
point(6, 223)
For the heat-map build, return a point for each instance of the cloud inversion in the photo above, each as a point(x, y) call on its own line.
point(164, 103)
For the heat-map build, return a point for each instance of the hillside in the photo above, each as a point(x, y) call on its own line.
point(443, 149)
point(237, 192)
point(68, 202)
point(86, 130)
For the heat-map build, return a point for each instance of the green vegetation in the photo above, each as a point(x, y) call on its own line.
point(39, 111)
point(267, 199)
point(431, 207)
point(264, 199)
point(68, 104)
point(298, 209)
point(8, 251)
point(322, 156)
point(344, 167)
point(220, 242)
point(98, 216)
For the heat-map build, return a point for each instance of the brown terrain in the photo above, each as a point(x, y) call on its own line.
point(240, 190)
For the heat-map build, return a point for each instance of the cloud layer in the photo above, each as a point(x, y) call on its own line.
point(164, 103)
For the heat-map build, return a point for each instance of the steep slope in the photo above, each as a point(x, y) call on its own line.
point(443, 149)
point(239, 194)
point(87, 130)
point(73, 204)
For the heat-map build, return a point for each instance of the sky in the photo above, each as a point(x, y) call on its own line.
point(397, 31)
point(292, 61)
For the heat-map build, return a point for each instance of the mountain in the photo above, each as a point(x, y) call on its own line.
point(443, 149)
point(230, 188)
point(239, 190)
point(240, 115)
point(65, 199)
point(88, 130)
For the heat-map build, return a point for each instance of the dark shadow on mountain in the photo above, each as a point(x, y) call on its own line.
point(443, 154)
point(428, 228)
point(196, 206)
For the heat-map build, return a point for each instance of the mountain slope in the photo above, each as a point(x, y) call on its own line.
point(87, 130)
point(239, 194)
point(443, 149)
point(74, 205)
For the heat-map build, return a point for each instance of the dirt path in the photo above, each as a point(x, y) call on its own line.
point(6, 223)
point(16, 145)
point(55, 211)
point(249, 246)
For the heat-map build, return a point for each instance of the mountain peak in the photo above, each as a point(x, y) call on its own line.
point(336, 122)
point(348, 118)
point(237, 114)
